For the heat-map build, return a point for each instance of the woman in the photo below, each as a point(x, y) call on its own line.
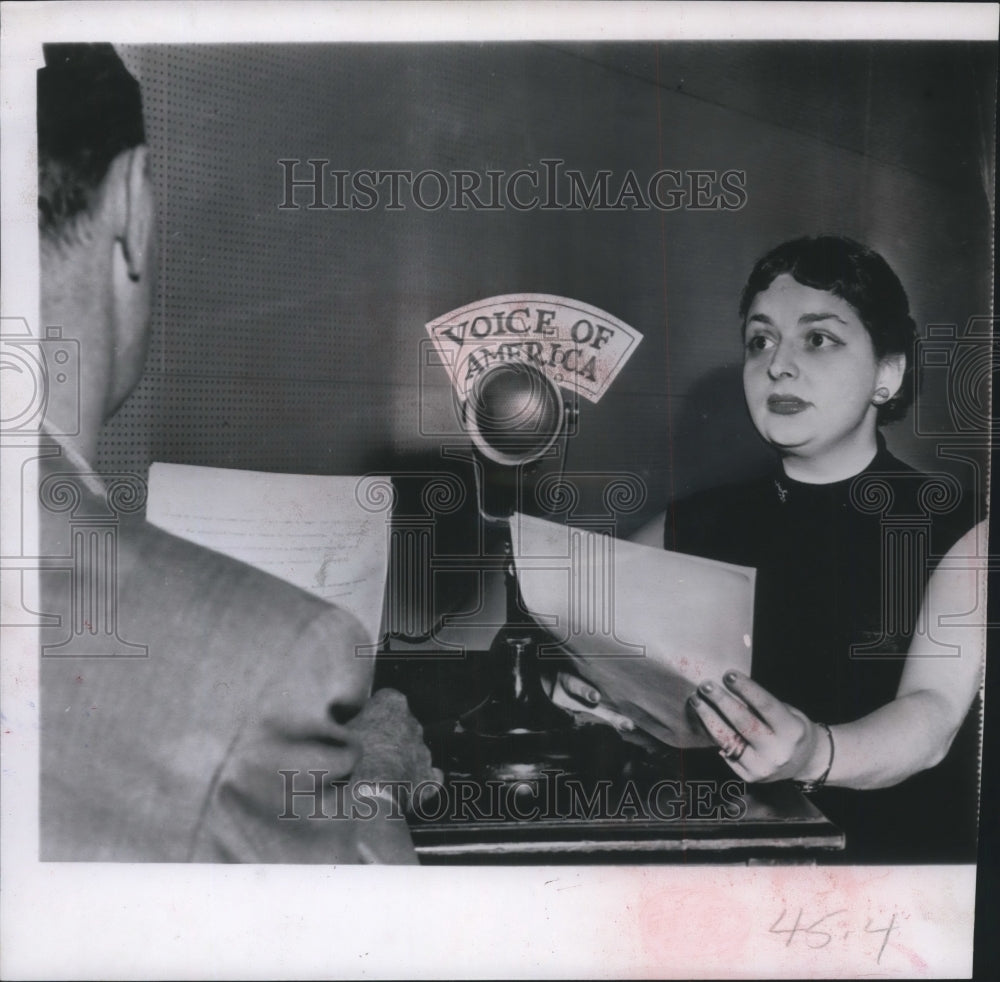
point(853, 694)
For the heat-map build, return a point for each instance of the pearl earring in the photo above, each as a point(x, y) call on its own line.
point(881, 396)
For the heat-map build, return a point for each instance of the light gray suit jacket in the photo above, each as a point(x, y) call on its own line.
point(176, 685)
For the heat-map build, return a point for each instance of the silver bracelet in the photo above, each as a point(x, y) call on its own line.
point(809, 786)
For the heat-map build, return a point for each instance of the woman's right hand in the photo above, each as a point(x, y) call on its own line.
point(575, 693)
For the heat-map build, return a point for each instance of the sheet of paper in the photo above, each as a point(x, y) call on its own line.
point(644, 625)
point(310, 530)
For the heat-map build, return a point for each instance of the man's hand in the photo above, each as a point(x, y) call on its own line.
point(392, 742)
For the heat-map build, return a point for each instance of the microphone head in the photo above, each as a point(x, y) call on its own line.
point(515, 413)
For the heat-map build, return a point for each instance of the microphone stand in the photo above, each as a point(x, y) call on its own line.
point(519, 704)
point(517, 733)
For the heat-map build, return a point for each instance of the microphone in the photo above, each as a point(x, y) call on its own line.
point(515, 414)
point(518, 363)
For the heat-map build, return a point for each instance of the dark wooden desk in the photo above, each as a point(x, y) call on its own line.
point(635, 805)
point(779, 825)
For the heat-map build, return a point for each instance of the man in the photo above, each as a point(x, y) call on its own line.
point(185, 697)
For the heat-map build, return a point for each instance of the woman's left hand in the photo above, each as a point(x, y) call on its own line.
point(759, 736)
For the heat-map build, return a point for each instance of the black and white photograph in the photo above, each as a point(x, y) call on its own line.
point(515, 473)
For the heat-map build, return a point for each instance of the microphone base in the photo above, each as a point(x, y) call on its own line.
point(585, 752)
point(518, 734)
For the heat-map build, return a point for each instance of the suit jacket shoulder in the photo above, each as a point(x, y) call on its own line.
point(167, 668)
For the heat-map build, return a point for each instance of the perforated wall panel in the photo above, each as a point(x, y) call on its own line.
point(290, 339)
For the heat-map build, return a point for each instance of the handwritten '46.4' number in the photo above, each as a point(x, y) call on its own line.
point(820, 932)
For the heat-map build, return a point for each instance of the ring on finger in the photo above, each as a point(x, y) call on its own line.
point(735, 749)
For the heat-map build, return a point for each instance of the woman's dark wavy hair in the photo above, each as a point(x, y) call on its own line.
point(865, 280)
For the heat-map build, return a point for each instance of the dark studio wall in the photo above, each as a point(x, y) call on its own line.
point(291, 339)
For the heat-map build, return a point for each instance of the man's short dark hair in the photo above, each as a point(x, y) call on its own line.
point(859, 275)
point(89, 111)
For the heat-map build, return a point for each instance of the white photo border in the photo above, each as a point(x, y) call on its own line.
point(154, 921)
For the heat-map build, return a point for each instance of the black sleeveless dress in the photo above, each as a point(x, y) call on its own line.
point(841, 571)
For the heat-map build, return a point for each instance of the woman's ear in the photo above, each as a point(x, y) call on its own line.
point(136, 235)
point(891, 370)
